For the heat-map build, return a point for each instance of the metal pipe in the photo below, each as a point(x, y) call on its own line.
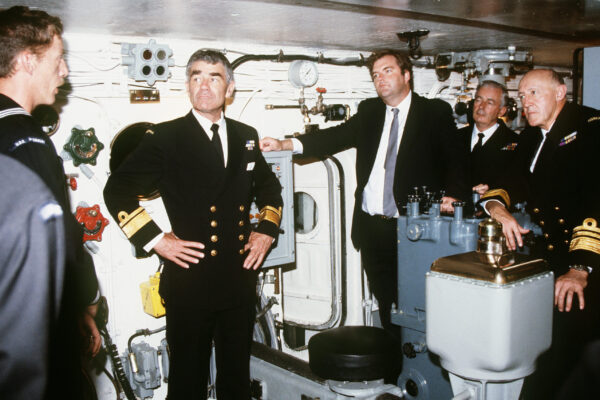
point(342, 231)
point(467, 394)
point(280, 57)
point(275, 106)
point(576, 75)
point(143, 332)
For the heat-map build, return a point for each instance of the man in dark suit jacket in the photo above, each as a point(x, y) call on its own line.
point(424, 143)
point(489, 142)
point(207, 169)
point(556, 172)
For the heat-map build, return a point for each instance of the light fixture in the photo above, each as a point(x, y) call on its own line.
point(413, 40)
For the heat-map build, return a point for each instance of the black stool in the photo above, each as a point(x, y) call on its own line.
point(353, 353)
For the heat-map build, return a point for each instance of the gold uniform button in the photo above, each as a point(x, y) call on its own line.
point(546, 236)
point(213, 253)
point(241, 251)
point(214, 238)
point(542, 223)
point(566, 231)
point(241, 223)
point(213, 223)
point(557, 208)
point(550, 247)
point(213, 209)
point(561, 221)
point(567, 242)
point(242, 208)
point(241, 237)
point(536, 210)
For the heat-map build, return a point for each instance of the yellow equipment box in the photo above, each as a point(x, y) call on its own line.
point(151, 300)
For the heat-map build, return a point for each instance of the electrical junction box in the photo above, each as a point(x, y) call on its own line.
point(151, 300)
point(283, 251)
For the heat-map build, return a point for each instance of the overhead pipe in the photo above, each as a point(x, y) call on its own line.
point(280, 57)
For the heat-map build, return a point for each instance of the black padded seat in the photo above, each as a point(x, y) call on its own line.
point(353, 353)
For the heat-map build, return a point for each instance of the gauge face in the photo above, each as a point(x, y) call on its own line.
point(303, 73)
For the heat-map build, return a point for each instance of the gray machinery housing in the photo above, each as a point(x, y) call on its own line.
point(142, 369)
point(423, 238)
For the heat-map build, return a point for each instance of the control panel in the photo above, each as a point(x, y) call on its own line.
point(283, 251)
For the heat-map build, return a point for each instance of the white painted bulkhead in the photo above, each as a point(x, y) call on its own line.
point(99, 98)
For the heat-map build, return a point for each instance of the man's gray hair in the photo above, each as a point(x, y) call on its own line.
point(211, 57)
point(490, 83)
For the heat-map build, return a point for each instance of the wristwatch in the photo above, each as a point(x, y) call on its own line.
point(579, 267)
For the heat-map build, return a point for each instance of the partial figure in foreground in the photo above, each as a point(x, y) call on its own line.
point(32, 67)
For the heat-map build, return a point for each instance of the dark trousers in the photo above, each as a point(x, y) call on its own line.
point(190, 333)
point(572, 332)
point(584, 380)
point(379, 255)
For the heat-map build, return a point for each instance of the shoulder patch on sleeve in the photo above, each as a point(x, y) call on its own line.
point(26, 140)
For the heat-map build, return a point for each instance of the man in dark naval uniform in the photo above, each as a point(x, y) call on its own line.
point(207, 169)
point(402, 141)
point(489, 142)
point(556, 172)
point(31, 69)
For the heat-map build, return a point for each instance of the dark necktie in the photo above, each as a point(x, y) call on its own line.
point(216, 141)
point(389, 204)
point(479, 143)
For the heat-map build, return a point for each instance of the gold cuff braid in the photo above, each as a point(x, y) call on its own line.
point(131, 223)
point(586, 237)
point(271, 214)
point(497, 192)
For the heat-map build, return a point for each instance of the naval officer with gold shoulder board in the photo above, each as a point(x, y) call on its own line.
point(556, 171)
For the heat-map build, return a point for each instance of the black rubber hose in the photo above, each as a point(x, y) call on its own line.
point(120, 374)
point(111, 349)
point(359, 62)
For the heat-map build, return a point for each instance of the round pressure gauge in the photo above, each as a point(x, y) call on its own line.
point(303, 73)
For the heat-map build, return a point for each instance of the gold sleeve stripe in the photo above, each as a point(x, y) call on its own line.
point(498, 192)
point(131, 223)
point(271, 214)
point(592, 119)
point(586, 237)
point(585, 243)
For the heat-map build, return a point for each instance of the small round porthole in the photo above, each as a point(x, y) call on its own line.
point(47, 117)
point(305, 212)
point(124, 143)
